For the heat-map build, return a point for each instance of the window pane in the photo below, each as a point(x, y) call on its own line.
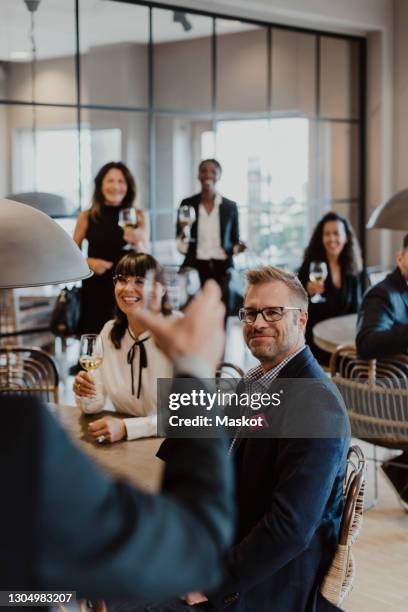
point(115, 136)
point(179, 148)
point(242, 67)
point(114, 54)
point(182, 60)
point(181, 143)
point(293, 72)
point(164, 246)
point(339, 78)
point(339, 155)
point(54, 68)
point(46, 160)
point(269, 179)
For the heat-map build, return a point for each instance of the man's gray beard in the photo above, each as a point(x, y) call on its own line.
point(268, 354)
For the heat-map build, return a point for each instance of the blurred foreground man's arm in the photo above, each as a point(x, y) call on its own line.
point(66, 526)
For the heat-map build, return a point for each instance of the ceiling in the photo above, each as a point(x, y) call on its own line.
point(102, 22)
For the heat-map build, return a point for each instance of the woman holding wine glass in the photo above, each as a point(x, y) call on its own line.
point(207, 231)
point(108, 234)
point(123, 377)
point(331, 274)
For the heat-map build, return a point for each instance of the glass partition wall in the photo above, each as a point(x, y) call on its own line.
point(160, 88)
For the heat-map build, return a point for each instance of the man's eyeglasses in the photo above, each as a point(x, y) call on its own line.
point(270, 314)
point(122, 280)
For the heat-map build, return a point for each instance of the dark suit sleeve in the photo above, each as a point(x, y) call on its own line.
point(378, 333)
point(105, 538)
point(235, 226)
point(307, 469)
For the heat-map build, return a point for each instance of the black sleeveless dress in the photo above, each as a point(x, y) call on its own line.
point(105, 241)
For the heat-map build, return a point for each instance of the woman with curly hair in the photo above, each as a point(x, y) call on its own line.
point(126, 382)
point(333, 242)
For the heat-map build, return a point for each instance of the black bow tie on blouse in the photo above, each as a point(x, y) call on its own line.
point(142, 360)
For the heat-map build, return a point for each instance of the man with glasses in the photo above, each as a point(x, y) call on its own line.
point(289, 483)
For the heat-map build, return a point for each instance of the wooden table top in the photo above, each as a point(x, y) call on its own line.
point(331, 333)
point(134, 460)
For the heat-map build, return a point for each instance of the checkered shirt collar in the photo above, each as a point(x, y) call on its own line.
point(265, 378)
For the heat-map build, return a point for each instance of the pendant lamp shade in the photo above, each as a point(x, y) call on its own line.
point(52, 204)
point(392, 214)
point(35, 250)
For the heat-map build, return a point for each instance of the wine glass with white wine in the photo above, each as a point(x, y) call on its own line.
point(127, 220)
point(187, 215)
point(90, 356)
point(317, 274)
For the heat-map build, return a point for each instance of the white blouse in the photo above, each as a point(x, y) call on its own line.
point(114, 383)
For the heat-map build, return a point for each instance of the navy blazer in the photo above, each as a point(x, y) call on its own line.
point(229, 228)
point(65, 525)
point(382, 326)
point(289, 502)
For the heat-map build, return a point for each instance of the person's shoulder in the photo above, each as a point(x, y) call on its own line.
point(383, 290)
point(191, 200)
point(106, 330)
point(83, 217)
point(85, 214)
point(227, 202)
point(302, 365)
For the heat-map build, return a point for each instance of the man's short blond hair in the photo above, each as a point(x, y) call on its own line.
point(269, 274)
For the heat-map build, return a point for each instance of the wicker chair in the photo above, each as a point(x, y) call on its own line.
point(227, 376)
point(228, 370)
point(340, 576)
point(27, 370)
point(376, 395)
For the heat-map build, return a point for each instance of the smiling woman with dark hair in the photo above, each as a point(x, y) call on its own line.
point(127, 380)
point(333, 242)
point(114, 190)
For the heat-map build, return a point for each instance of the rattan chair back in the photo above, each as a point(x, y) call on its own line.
point(340, 576)
point(227, 376)
point(376, 396)
point(28, 370)
point(228, 370)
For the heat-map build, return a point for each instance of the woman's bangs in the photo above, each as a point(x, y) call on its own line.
point(136, 265)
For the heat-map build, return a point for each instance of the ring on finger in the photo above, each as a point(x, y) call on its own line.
point(101, 439)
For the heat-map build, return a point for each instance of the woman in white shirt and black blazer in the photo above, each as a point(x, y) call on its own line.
point(214, 236)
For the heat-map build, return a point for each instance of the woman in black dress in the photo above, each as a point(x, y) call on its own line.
point(115, 189)
point(334, 242)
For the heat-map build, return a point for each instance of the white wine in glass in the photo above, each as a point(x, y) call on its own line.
point(127, 220)
point(317, 274)
point(90, 352)
point(187, 215)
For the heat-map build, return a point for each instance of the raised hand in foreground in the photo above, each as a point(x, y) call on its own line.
point(200, 332)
